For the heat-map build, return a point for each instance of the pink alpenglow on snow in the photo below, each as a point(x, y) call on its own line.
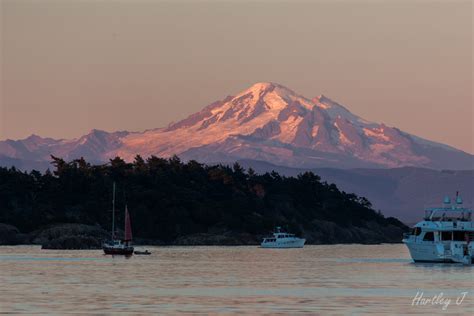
point(266, 122)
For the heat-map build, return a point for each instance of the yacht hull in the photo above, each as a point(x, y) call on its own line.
point(425, 252)
point(299, 243)
point(430, 252)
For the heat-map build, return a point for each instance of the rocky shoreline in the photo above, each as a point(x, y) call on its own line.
point(80, 236)
point(61, 236)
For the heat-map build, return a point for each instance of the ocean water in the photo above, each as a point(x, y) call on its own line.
point(315, 280)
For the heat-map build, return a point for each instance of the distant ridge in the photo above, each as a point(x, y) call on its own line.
point(401, 192)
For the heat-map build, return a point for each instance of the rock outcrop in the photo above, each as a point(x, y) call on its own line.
point(70, 236)
point(325, 232)
point(226, 239)
point(10, 235)
point(79, 236)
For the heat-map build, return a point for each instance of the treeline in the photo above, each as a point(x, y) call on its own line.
point(168, 198)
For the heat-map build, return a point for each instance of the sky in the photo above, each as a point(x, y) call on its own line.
point(67, 67)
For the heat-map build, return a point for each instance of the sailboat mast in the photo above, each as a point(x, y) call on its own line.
point(113, 212)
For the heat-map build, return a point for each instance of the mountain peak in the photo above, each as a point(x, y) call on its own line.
point(268, 122)
point(34, 137)
point(261, 85)
point(96, 131)
point(266, 85)
point(260, 88)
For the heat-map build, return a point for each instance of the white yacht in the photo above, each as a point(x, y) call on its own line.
point(281, 239)
point(445, 234)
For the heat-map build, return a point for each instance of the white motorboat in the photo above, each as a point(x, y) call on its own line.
point(444, 235)
point(281, 239)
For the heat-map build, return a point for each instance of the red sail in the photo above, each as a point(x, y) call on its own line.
point(128, 226)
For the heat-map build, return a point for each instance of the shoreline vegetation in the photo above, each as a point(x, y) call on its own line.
point(177, 203)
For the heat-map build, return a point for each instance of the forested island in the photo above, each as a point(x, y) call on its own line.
point(177, 203)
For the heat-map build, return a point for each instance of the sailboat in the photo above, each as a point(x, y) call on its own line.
point(116, 246)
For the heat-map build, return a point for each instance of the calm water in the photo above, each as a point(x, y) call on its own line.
point(341, 279)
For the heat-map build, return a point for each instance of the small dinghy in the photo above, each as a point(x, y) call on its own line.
point(138, 252)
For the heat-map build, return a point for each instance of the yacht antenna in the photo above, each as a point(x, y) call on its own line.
point(458, 199)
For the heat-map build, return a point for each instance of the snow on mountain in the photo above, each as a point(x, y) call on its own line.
point(266, 122)
point(94, 146)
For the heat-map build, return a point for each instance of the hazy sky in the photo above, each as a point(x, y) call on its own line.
point(70, 66)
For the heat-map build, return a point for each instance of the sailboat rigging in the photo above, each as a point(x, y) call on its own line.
point(116, 246)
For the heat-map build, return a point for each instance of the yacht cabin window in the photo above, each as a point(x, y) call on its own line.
point(459, 236)
point(416, 231)
point(446, 235)
point(429, 236)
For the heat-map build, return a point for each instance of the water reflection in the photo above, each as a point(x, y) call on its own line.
point(317, 280)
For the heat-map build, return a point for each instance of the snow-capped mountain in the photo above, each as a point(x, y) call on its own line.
point(267, 122)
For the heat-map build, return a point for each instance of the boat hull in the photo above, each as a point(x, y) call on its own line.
point(424, 252)
point(143, 253)
point(126, 251)
point(297, 243)
point(429, 252)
